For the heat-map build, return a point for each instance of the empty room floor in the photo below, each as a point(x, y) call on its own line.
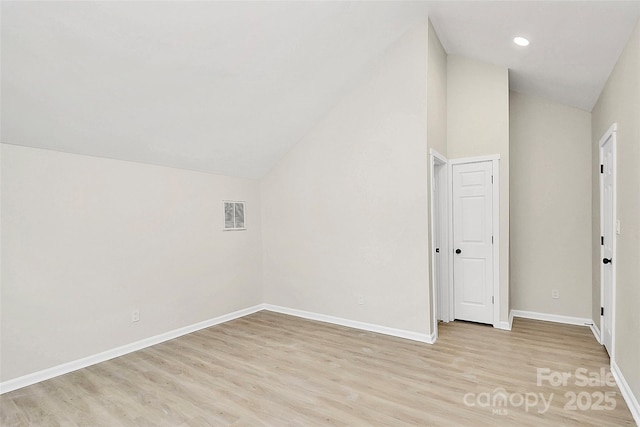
point(269, 369)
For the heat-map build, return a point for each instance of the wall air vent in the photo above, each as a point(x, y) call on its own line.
point(234, 215)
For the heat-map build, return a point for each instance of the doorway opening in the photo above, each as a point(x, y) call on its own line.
point(440, 305)
point(465, 237)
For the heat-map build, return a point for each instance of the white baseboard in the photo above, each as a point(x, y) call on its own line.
point(415, 336)
point(504, 325)
point(65, 368)
point(55, 371)
point(627, 394)
point(596, 332)
point(568, 320)
point(581, 321)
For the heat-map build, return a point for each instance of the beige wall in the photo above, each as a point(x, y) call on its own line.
point(436, 120)
point(477, 125)
point(619, 103)
point(86, 240)
point(550, 188)
point(436, 94)
point(345, 212)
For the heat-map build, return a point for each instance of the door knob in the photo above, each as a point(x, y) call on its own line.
point(437, 250)
point(458, 251)
point(606, 260)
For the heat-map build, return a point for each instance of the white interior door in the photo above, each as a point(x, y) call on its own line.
point(607, 203)
point(472, 194)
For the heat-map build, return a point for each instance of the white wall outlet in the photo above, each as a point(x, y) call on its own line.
point(135, 315)
point(360, 299)
point(555, 294)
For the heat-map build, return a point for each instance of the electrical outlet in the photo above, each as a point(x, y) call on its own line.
point(135, 315)
point(555, 294)
point(360, 299)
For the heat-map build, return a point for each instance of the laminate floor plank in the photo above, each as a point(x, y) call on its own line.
point(269, 369)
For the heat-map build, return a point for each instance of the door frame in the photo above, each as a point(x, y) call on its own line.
point(495, 161)
point(610, 134)
point(439, 175)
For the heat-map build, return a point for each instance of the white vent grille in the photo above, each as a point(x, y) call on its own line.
point(234, 215)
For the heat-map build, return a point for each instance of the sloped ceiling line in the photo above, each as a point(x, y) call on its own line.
point(230, 87)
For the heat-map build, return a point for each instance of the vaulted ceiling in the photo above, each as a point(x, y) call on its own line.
point(230, 87)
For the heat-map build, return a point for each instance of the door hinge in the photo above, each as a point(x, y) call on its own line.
point(601, 168)
point(492, 179)
point(601, 240)
point(492, 240)
point(492, 299)
point(601, 311)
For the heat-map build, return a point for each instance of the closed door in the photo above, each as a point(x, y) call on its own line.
point(472, 241)
point(607, 239)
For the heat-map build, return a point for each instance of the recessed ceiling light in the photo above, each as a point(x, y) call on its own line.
point(521, 41)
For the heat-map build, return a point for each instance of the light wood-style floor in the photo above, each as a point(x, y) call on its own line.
point(269, 369)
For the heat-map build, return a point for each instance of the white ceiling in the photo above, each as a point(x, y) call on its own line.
point(574, 44)
point(230, 87)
